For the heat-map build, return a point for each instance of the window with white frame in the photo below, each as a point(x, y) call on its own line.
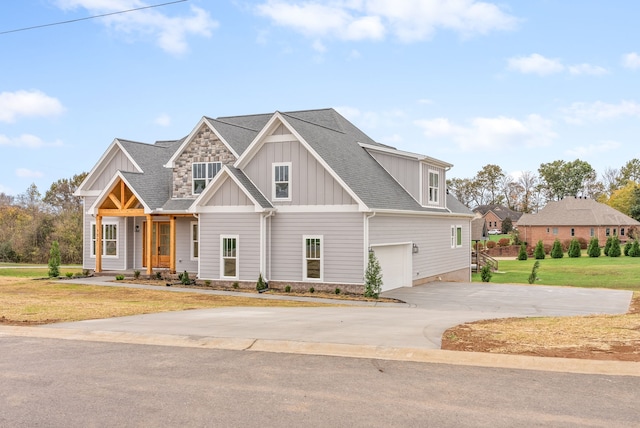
point(456, 236)
point(109, 240)
point(282, 181)
point(312, 265)
point(195, 247)
point(202, 173)
point(434, 187)
point(229, 256)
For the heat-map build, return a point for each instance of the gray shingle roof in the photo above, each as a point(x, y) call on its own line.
point(573, 211)
point(499, 210)
point(250, 187)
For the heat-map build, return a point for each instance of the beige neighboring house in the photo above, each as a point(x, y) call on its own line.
point(576, 217)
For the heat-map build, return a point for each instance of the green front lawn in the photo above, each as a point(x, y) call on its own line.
point(602, 272)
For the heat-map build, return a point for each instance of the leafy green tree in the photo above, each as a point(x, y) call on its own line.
point(373, 277)
point(489, 179)
point(630, 172)
point(556, 250)
point(614, 249)
point(574, 249)
point(54, 260)
point(560, 178)
point(522, 255)
point(538, 253)
point(594, 248)
point(507, 225)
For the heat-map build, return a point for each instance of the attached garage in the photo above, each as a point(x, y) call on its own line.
point(395, 264)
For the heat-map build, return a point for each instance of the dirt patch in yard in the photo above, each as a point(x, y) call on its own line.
point(596, 337)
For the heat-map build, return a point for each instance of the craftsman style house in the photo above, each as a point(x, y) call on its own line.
point(576, 217)
point(299, 197)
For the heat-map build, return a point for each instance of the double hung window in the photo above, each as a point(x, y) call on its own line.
point(282, 181)
point(109, 239)
point(229, 259)
point(312, 264)
point(202, 173)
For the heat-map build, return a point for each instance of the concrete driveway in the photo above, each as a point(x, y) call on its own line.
point(429, 311)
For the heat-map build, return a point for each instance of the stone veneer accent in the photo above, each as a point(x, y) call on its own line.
point(204, 147)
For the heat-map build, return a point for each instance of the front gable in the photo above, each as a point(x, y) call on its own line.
point(308, 178)
point(203, 145)
point(115, 158)
point(118, 199)
point(227, 193)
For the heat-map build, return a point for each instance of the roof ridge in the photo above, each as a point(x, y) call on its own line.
point(313, 123)
point(234, 124)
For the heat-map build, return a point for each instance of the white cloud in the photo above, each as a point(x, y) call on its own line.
point(491, 133)
point(535, 64)
point(631, 60)
point(28, 104)
point(594, 149)
point(408, 20)
point(170, 32)
point(543, 66)
point(579, 113)
point(163, 120)
point(27, 173)
point(27, 141)
point(319, 47)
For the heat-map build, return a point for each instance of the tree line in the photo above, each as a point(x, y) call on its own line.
point(528, 193)
point(30, 223)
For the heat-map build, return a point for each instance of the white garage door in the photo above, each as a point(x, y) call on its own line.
point(395, 263)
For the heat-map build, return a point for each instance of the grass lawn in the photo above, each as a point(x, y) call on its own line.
point(601, 272)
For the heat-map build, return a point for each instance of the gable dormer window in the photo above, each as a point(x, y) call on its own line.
point(281, 181)
point(434, 187)
point(202, 173)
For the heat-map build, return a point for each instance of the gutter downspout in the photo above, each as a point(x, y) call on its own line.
point(366, 240)
point(197, 216)
point(263, 244)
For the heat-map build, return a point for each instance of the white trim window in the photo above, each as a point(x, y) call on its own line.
point(202, 173)
point(229, 256)
point(282, 181)
point(195, 241)
point(313, 263)
point(109, 240)
point(456, 236)
point(434, 187)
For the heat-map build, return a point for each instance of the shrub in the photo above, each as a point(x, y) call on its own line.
point(574, 249)
point(287, 289)
point(583, 243)
point(533, 277)
point(522, 255)
point(627, 247)
point(504, 242)
point(261, 285)
point(556, 251)
point(491, 244)
point(515, 236)
point(119, 277)
point(634, 251)
point(337, 291)
point(86, 272)
point(235, 285)
point(539, 253)
point(614, 249)
point(507, 225)
point(207, 282)
point(486, 273)
point(68, 274)
point(607, 245)
point(372, 277)
point(54, 260)
point(158, 275)
point(184, 278)
point(136, 274)
point(312, 290)
point(594, 248)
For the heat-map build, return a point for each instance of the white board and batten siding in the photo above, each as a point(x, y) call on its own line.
point(432, 235)
point(119, 162)
point(311, 183)
point(442, 190)
point(342, 245)
point(406, 171)
point(244, 225)
point(229, 194)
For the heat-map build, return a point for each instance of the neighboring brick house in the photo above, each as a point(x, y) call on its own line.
point(576, 217)
point(300, 198)
point(495, 214)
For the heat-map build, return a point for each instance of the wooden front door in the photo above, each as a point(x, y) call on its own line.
point(160, 245)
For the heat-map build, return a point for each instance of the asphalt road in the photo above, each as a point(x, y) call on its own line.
point(66, 383)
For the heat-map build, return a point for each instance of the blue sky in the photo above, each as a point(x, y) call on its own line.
point(512, 83)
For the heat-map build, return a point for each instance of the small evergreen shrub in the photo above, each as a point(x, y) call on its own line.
point(235, 285)
point(634, 251)
point(522, 255)
point(533, 276)
point(574, 249)
point(184, 278)
point(54, 260)
point(594, 248)
point(287, 289)
point(337, 291)
point(539, 253)
point(372, 277)
point(312, 290)
point(136, 274)
point(607, 245)
point(614, 249)
point(627, 247)
point(207, 282)
point(158, 275)
point(556, 250)
point(69, 274)
point(261, 285)
point(486, 273)
point(119, 277)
